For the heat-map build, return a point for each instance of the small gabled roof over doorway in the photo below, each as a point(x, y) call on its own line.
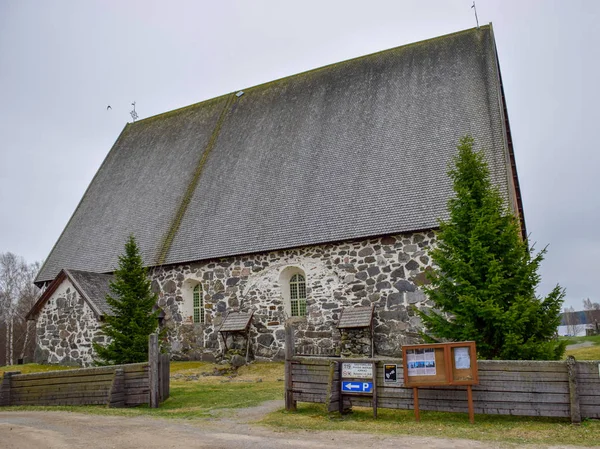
point(93, 288)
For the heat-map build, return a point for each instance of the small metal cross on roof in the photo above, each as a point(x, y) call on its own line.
point(134, 115)
point(476, 19)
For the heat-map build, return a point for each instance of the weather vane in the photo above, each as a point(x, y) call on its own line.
point(134, 115)
point(476, 19)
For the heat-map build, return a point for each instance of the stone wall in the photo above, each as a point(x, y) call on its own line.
point(383, 271)
point(65, 329)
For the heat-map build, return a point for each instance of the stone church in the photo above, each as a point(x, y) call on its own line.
point(293, 200)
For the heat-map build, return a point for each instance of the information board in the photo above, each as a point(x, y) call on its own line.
point(452, 363)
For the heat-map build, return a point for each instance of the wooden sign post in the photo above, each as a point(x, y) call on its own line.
point(441, 364)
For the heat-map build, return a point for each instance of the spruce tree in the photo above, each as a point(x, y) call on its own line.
point(485, 275)
point(132, 303)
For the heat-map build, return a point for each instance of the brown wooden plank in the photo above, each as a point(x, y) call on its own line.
point(134, 367)
point(311, 378)
point(82, 386)
point(588, 389)
point(310, 397)
point(71, 401)
point(66, 373)
point(592, 367)
point(62, 380)
point(138, 383)
point(590, 411)
point(317, 388)
point(521, 366)
point(313, 361)
point(589, 400)
point(525, 376)
point(137, 375)
point(41, 399)
point(310, 369)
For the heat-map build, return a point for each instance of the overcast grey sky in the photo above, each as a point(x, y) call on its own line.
point(63, 62)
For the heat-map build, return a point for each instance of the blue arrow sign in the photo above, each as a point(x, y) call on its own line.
point(357, 387)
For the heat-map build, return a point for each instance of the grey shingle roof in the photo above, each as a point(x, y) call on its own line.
point(356, 317)
point(94, 286)
point(355, 149)
point(235, 322)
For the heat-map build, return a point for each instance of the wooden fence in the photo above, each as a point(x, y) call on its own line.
point(116, 386)
point(530, 388)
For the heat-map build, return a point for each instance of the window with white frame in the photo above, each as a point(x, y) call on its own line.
point(198, 304)
point(298, 295)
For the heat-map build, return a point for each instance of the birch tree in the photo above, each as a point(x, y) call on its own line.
point(17, 296)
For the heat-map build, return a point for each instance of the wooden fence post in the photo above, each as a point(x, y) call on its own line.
point(573, 393)
point(5, 388)
point(153, 370)
point(290, 404)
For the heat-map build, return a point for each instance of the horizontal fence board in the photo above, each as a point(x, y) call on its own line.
point(63, 394)
point(588, 389)
point(312, 361)
point(67, 401)
point(310, 397)
point(81, 388)
point(589, 400)
point(66, 373)
point(527, 376)
point(62, 381)
point(310, 369)
point(310, 386)
point(136, 375)
point(136, 384)
point(521, 366)
point(133, 367)
point(589, 368)
point(590, 411)
point(312, 378)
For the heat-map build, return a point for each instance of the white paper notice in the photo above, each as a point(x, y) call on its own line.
point(462, 360)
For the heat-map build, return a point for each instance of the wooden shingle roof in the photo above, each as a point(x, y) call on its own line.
point(236, 322)
point(363, 145)
point(356, 317)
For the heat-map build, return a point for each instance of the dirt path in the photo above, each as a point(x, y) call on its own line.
point(64, 430)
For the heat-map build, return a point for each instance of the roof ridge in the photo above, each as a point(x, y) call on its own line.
point(314, 70)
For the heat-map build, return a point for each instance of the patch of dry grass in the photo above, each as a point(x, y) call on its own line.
point(33, 368)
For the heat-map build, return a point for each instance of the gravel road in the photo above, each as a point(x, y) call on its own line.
point(65, 430)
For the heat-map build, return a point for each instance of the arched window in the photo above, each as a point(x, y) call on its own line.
point(298, 295)
point(198, 301)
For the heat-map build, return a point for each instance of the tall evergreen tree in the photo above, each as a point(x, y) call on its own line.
point(485, 278)
point(132, 304)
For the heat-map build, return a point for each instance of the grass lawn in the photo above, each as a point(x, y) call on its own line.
point(591, 352)
point(504, 429)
